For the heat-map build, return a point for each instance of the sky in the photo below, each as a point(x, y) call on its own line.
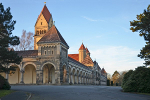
point(102, 25)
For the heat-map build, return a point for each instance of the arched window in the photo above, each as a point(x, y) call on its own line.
point(44, 31)
point(45, 52)
point(37, 32)
point(40, 32)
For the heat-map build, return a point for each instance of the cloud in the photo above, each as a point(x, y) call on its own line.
point(116, 58)
point(90, 19)
point(113, 58)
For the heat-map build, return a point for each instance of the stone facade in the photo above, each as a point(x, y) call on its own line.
point(49, 62)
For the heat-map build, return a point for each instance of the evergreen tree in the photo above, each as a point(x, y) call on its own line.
point(7, 55)
point(142, 24)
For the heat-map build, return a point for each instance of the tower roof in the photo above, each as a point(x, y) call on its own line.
point(87, 51)
point(87, 60)
point(52, 36)
point(103, 70)
point(47, 15)
point(82, 47)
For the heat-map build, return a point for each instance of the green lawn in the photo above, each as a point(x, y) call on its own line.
point(5, 92)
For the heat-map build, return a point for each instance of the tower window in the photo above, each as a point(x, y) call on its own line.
point(41, 23)
point(44, 31)
point(45, 52)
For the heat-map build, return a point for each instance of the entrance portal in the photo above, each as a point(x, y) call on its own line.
point(48, 74)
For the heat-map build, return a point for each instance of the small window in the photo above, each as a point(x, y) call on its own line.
point(48, 52)
point(44, 31)
point(45, 52)
point(52, 52)
point(40, 32)
point(41, 23)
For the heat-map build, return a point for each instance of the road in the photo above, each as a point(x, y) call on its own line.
point(48, 92)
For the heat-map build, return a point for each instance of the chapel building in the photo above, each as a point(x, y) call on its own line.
point(50, 63)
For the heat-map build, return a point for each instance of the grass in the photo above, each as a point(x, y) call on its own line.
point(5, 92)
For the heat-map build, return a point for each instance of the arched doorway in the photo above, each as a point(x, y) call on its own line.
point(48, 74)
point(29, 74)
point(64, 74)
point(14, 76)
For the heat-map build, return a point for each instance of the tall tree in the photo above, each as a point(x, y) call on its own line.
point(142, 24)
point(26, 41)
point(115, 77)
point(7, 55)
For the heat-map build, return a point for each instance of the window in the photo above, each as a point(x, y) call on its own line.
point(44, 31)
point(37, 32)
point(40, 32)
point(48, 52)
point(52, 52)
point(45, 52)
point(41, 23)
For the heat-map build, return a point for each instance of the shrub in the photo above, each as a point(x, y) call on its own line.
point(4, 83)
point(108, 82)
point(137, 81)
point(116, 84)
point(112, 83)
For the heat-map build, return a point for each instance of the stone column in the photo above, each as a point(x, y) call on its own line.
point(7, 75)
point(22, 76)
point(71, 78)
point(75, 81)
point(79, 79)
point(39, 76)
point(57, 77)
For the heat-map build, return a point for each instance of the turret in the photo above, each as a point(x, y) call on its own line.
point(87, 51)
point(82, 53)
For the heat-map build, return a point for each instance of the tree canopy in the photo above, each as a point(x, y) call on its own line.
point(7, 55)
point(142, 24)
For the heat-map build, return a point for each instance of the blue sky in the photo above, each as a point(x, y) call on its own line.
point(102, 25)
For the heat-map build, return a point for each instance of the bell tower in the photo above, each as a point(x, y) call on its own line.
point(43, 24)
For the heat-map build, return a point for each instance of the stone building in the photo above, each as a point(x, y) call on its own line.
point(50, 63)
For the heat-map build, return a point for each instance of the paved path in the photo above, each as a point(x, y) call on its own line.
point(18, 95)
point(48, 92)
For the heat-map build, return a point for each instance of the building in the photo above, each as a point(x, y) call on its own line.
point(50, 63)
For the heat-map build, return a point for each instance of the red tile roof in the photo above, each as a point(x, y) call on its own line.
point(47, 15)
point(87, 60)
point(82, 47)
point(103, 70)
point(51, 36)
point(87, 51)
point(74, 56)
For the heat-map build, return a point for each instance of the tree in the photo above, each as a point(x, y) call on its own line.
point(142, 24)
point(25, 41)
point(7, 55)
point(115, 77)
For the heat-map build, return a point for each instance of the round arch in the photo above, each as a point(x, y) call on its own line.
point(29, 73)
point(48, 63)
point(31, 63)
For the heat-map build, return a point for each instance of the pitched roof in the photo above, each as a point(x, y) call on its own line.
point(51, 36)
point(47, 15)
point(82, 47)
point(78, 63)
point(87, 60)
point(74, 56)
point(87, 51)
point(27, 53)
point(103, 70)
